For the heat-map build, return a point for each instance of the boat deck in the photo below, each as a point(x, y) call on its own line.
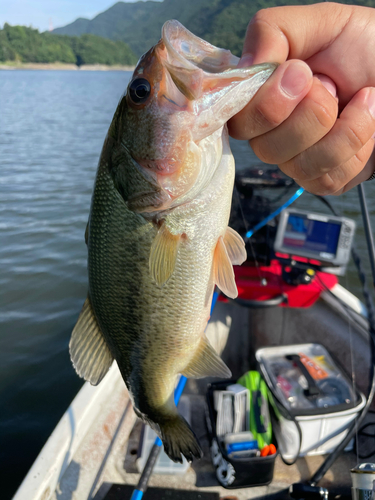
point(96, 468)
point(94, 449)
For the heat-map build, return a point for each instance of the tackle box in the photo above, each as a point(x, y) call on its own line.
point(315, 398)
point(234, 472)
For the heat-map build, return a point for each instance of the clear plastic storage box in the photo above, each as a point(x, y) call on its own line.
point(315, 395)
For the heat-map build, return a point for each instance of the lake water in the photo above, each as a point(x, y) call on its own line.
point(52, 127)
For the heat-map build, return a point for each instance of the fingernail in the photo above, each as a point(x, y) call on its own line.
point(327, 83)
point(295, 78)
point(371, 102)
point(245, 61)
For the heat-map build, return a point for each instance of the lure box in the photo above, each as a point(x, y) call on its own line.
point(240, 471)
point(315, 399)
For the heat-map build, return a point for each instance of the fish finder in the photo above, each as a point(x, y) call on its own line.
point(327, 239)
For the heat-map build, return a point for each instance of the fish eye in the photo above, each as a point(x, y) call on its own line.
point(139, 90)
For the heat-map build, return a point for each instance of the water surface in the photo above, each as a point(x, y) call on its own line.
point(52, 127)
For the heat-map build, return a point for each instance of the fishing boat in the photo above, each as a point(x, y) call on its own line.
point(97, 449)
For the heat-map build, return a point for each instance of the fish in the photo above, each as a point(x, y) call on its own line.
point(158, 238)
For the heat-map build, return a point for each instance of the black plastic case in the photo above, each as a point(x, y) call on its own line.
point(240, 472)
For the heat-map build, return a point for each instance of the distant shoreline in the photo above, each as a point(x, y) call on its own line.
point(64, 67)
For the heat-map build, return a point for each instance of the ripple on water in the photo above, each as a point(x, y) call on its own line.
point(52, 127)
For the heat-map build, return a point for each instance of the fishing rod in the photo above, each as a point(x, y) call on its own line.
point(311, 489)
point(274, 214)
point(157, 446)
point(367, 228)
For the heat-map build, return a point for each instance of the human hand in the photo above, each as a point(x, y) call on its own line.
point(318, 129)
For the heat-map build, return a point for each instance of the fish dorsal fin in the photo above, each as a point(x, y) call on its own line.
point(89, 352)
point(235, 246)
point(223, 270)
point(87, 233)
point(206, 363)
point(163, 255)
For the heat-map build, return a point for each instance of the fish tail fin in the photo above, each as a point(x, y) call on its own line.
point(178, 438)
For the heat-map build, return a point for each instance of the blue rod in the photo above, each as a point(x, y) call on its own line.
point(296, 195)
point(155, 450)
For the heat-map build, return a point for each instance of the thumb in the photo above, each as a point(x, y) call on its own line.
point(292, 32)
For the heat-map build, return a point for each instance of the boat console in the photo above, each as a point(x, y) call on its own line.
point(324, 238)
point(296, 255)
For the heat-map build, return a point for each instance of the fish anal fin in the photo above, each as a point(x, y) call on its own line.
point(206, 363)
point(223, 270)
point(88, 349)
point(235, 246)
point(163, 255)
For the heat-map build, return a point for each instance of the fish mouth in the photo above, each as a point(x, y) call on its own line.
point(191, 52)
point(208, 76)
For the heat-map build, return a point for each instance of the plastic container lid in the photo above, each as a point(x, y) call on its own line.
point(306, 380)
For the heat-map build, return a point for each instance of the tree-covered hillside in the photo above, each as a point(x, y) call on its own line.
point(19, 43)
point(221, 22)
point(121, 34)
point(138, 24)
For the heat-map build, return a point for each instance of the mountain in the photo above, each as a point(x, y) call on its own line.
point(23, 44)
point(221, 22)
point(139, 24)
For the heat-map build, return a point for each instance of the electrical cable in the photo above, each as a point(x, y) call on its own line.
point(371, 319)
point(368, 435)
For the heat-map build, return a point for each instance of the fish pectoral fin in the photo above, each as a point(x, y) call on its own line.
point(163, 255)
point(235, 246)
point(206, 363)
point(87, 233)
point(223, 270)
point(88, 349)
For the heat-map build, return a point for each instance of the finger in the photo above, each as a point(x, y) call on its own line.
point(344, 177)
point(352, 130)
point(293, 32)
point(328, 83)
point(364, 174)
point(273, 102)
point(311, 120)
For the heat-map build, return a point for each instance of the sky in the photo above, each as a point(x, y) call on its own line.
point(42, 14)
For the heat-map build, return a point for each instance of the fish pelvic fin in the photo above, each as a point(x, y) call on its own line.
point(163, 255)
point(179, 439)
point(235, 246)
point(223, 270)
point(206, 363)
point(88, 349)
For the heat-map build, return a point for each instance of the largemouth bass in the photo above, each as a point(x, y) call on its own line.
point(158, 237)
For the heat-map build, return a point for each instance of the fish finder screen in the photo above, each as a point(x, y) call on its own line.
point(305, 234)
